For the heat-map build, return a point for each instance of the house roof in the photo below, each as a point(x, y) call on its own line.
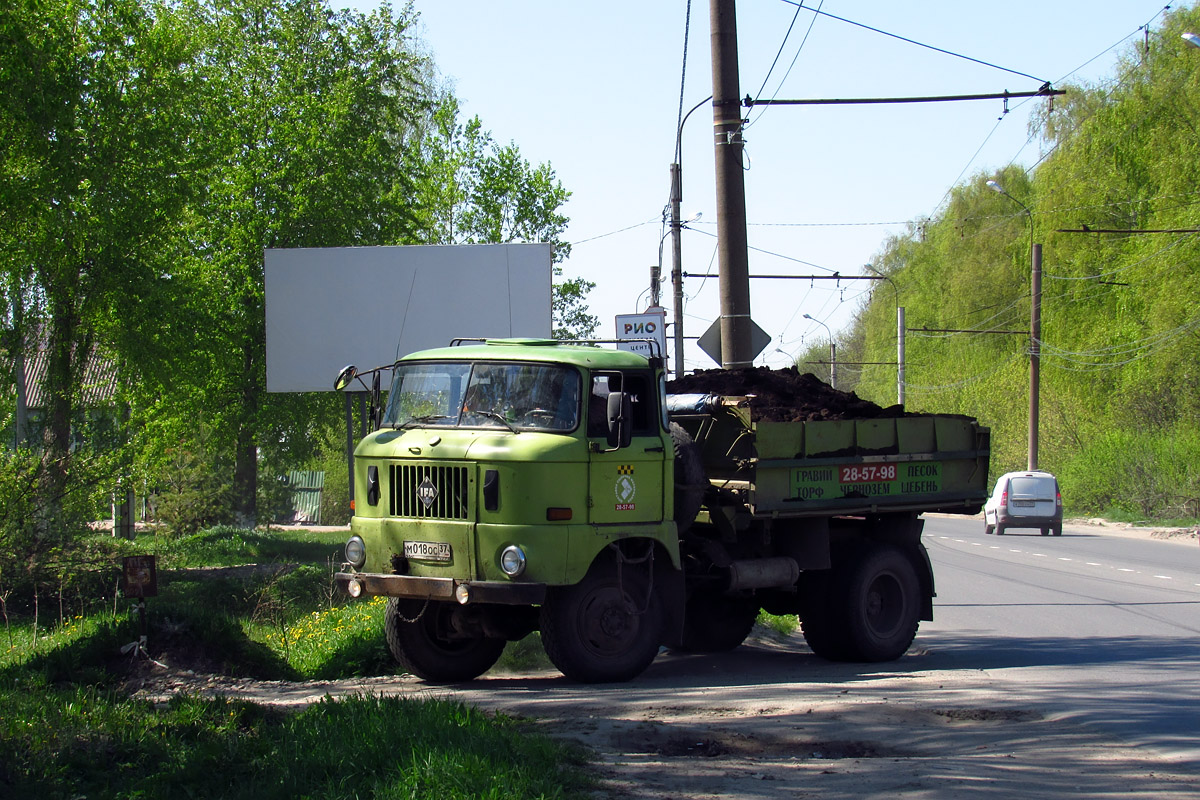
point(99, 382)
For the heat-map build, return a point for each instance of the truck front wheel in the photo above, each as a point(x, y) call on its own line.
point(605, 628)
point(421, 639)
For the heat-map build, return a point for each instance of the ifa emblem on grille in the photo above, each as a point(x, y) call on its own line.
point(427, 492)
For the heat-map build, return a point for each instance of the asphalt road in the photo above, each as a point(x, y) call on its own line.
point(1101, 628)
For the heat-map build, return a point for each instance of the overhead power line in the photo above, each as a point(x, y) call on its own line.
point(819, 12)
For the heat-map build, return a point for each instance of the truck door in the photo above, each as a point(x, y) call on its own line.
point(625, 485)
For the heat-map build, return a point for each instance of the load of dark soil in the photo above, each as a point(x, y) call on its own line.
point(782, 395)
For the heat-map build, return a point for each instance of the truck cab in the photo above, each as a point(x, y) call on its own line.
point(500, 471)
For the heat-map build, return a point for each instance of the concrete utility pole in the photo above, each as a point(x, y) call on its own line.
point(732, 247)
point(677, 259)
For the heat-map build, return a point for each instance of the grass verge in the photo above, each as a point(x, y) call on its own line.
point(67, 730)
point(84, 741)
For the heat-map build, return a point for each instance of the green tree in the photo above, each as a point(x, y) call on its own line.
point(93, 140)
point(1120, 377)
point(479, 192)
point(309, 141)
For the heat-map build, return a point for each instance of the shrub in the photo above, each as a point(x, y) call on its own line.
point(196, 491)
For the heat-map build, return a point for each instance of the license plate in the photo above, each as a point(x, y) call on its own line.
point(427, 551)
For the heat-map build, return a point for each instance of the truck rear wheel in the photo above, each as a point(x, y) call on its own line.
point(882, 605)
point(715, 623)
point(419, 637)
point(868, 609)
point(605, 628)
point(821, 619)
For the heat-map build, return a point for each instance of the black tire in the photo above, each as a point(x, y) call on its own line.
point(1056, 530)
point(883, 605)
point(715, 623)
point(987, 529)
point(604, 628)
point(867, 609)
point(690, 482)
point(999, 529)
point(1045, 531)
point(418, 637)
point(821, 620)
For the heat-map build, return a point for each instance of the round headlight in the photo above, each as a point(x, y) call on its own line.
point(356, 552)
point(512, 561)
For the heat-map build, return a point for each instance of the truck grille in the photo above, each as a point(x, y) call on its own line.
point(428, 491)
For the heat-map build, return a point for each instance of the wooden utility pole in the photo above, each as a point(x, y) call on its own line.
point(1035, 351)
point(732, 247)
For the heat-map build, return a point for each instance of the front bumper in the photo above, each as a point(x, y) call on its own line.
point(411, 586)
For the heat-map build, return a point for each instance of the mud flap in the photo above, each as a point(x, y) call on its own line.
point(672, 592)
point(925, 576)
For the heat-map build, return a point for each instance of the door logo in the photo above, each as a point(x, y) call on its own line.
point(625, 489)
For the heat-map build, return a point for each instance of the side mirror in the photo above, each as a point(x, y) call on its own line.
point(620, 420)
point(348, 373)
point(376, 408)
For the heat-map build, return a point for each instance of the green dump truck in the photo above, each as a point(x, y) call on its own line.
point(515, 485)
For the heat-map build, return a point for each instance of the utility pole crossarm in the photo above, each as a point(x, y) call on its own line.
point(834, 277)
point(1045, 91)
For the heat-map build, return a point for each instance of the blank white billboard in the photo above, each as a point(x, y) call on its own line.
point(327, 307)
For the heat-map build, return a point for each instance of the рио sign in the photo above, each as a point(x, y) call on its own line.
point(650, 325)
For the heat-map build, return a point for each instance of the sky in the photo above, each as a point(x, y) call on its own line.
point(596, 90)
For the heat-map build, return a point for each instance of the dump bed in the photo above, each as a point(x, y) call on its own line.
point(915, 462)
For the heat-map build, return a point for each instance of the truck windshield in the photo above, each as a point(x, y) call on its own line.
point(517, 396)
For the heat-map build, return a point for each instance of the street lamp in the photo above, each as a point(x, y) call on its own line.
point(676, 245)
point(1191, 39)
point(832, 351)
point(1035, 326)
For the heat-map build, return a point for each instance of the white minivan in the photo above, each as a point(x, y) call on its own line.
point(1024, 500)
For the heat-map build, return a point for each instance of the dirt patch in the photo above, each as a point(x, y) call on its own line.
point(987, 715)
point(782, 395)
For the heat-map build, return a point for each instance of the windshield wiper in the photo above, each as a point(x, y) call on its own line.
point(421, 419)
point(497, 416)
